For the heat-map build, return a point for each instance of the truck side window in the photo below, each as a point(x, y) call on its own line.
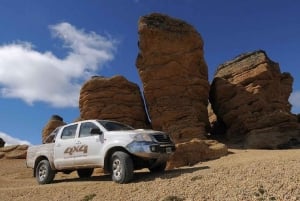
point(69, 132)
point(85, 129)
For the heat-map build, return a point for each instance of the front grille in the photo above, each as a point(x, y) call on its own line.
point(162, 138)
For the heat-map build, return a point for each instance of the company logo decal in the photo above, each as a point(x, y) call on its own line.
point(76, 149)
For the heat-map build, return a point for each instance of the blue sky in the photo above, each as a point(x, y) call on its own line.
point(49, 48)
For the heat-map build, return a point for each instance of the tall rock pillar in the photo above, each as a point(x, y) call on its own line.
point(175, 81)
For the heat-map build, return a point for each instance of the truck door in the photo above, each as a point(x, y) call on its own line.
point(89, 145)
point(65, 147)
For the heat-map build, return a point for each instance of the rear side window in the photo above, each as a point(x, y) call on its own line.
point(51, 137)
point(69, 132)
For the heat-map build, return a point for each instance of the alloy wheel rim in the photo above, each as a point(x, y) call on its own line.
point(42, 172)
point(117, 169)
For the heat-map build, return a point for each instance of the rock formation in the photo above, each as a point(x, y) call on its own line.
point(250, 95)
point(2, 142)
point(175, 80)
point(113, 98)
point(54, 122)
point(14, 152)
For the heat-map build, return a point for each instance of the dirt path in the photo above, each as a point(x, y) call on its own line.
point(242, 175)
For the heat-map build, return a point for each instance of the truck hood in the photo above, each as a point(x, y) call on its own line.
point(137, 131)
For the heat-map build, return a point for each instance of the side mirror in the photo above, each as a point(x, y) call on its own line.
point(96, 131)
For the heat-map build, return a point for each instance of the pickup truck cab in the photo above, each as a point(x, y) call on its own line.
point(82, 146)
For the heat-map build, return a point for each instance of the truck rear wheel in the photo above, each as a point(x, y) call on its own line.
point(121, 167)
point(85, 173)
point(43, 172)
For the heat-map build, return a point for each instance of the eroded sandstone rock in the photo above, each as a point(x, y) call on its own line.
point(14, 152)
point(191, 152)
point(175, 81)
point(113, 98)
point(54, 122)
point(250, 95)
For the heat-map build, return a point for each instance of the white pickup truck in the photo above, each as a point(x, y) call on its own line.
point(82, 146)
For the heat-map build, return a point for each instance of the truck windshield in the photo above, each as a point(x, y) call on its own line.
point(114, 126)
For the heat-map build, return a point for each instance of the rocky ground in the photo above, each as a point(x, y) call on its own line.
point(241, 175)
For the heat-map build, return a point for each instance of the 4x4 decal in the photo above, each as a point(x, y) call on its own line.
point(78, 148)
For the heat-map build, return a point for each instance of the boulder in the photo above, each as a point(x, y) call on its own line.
point(191, 152)
point(8, 148)
point(174, 74)
point(249, 94)
point(14, 152)
point(113, 98)
point(54, 122)
point(2, 142)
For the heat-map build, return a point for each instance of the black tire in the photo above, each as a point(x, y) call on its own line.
point(159, 167)
point(85, 173)
point(121, 167)
point(43, 172)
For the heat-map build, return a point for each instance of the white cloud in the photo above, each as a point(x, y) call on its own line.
point(9, 140)
point(295, 101)
point(35, 76)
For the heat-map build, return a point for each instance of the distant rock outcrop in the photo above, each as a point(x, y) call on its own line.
point(250, 95)
point(175, 80)
point(54, 122)
point(2, 142)
point(113, 98)
point(14, 152)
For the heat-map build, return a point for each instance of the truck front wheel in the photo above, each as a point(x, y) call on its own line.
point(44, 173)
point(121, 167)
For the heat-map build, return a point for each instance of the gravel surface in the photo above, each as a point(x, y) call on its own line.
point(242, 175)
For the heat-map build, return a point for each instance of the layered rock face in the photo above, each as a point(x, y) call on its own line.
point(250, 95)
point(175, 80)
point(54, 122)
point(113, 98)
point(14, 152)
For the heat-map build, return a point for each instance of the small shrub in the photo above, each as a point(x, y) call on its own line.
point(262, 195)
point(172, 198)
point(89, 197)
point(198, 177)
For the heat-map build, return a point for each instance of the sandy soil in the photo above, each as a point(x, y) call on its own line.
point(242, 175)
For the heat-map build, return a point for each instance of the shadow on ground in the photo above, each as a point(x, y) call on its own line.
point(139, 176)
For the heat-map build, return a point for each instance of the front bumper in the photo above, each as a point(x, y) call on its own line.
point(150, 149)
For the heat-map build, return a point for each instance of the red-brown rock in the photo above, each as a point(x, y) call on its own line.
point(14, 152)
point(250, 95)
point(113, 98)
point(54, 122)
point(191, 152)
point(175, 80)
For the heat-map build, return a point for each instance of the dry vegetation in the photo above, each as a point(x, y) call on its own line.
point(242, 175)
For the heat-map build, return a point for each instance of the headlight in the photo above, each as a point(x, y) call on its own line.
point(142, 137)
